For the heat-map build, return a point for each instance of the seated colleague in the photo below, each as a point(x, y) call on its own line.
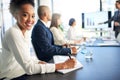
point(15, 60)
point(71, 33)
point(42, 38)
point(59, 37)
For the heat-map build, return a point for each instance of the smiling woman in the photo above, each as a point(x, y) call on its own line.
point(24, 15)
point(15, 59)
point(16, 63)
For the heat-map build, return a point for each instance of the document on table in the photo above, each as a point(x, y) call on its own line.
point(59, 59)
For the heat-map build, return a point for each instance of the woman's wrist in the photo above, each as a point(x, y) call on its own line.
point(60, 66)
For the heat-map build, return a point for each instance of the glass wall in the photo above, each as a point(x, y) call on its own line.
point(75, 8)
point(108, 5)
point(7, 20)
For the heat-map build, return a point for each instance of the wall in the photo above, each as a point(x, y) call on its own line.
point(46, 2)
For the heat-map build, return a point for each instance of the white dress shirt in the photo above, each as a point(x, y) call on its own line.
point(59, 37)
point(15, 59)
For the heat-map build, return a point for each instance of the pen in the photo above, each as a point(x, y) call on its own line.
point(69, 55)
point(78, 48)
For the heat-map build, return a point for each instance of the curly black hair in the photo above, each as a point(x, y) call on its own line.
point(16, 4)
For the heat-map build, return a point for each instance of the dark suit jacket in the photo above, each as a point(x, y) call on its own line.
point(43, 43)
point(116, 18)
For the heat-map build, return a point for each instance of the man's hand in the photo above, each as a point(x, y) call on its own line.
point(116, 24)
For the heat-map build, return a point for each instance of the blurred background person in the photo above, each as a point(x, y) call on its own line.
point(116, 19)
point(58, 34)
point(72, 33)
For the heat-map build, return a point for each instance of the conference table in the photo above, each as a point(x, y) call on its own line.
point(104, 65)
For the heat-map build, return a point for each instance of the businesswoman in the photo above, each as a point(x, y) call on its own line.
point(71, 33)
point(15, 60)
point(59, 36)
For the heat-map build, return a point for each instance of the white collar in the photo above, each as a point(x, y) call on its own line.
point(26, 32)
point(44, 23)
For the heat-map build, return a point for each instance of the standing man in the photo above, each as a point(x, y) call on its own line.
point(42, 38)
point(116, 19)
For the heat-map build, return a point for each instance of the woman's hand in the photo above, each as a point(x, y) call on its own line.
point(80, 41)
point(70, 63)
point(66, 46)
point(41, 62)
point(74, 50)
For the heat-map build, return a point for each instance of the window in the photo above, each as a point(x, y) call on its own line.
point(74, 8)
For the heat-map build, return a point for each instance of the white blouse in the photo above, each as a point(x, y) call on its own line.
point(59, 37)
point(71, 33)
point(15, 59)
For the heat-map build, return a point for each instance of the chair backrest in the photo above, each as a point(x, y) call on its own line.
point(118, 37)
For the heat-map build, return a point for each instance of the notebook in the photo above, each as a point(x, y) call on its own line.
point(60, 58)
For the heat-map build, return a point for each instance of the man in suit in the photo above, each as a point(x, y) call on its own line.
point(42, 38)
point(116, 19)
